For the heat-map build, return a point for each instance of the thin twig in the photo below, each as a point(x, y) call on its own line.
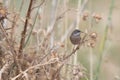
point(13, 28)
point(62, 14)
point(4, 68)
point(7, 40)
point(73, 52)
point(22, 41)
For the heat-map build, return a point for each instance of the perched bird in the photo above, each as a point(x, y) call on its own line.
point(75, 37)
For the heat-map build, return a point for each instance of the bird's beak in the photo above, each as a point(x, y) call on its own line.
point(83, 32)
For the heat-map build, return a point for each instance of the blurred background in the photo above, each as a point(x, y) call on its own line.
point(61, 17)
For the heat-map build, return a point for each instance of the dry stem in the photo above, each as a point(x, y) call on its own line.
point(22, 41)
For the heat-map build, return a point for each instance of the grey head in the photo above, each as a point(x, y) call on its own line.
point(76, 32)
point(75, 37)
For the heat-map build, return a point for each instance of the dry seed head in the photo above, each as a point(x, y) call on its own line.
point(60, 44)
point(85, 15)
point(92, 40)
point(97, 17)
point(54, 54)
point(3, 13)
point(34, 32)
point(91, 44)
point(78, 73)
point(93, 35)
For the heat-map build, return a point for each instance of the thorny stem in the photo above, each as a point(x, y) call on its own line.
point(22, 41)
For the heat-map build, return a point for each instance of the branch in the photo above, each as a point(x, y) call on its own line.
point(22, 41)
point(4, 68)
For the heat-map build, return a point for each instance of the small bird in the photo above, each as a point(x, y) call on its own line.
point(75, 37)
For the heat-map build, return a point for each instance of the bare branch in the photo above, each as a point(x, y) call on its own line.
point(22, 41)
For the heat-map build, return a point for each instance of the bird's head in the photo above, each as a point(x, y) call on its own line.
point(76, 32)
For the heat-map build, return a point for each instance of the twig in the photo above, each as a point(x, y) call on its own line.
point(7, 40)
point(14, 22)
point(4, 68)
point(34, 23)
point(50, 30)
point(13, 28)
point(22, 41)
point(73, 52)
point(62, 15)
point(8, 28)
point(38, 6)
point(26, 76)
point(53, 60)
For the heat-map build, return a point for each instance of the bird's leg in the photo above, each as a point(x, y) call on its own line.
point(76, 47)
point(73, 47)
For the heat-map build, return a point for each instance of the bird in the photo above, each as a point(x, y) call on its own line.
point(75, 37)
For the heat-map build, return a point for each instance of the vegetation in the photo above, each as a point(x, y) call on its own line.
point(35, 44)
